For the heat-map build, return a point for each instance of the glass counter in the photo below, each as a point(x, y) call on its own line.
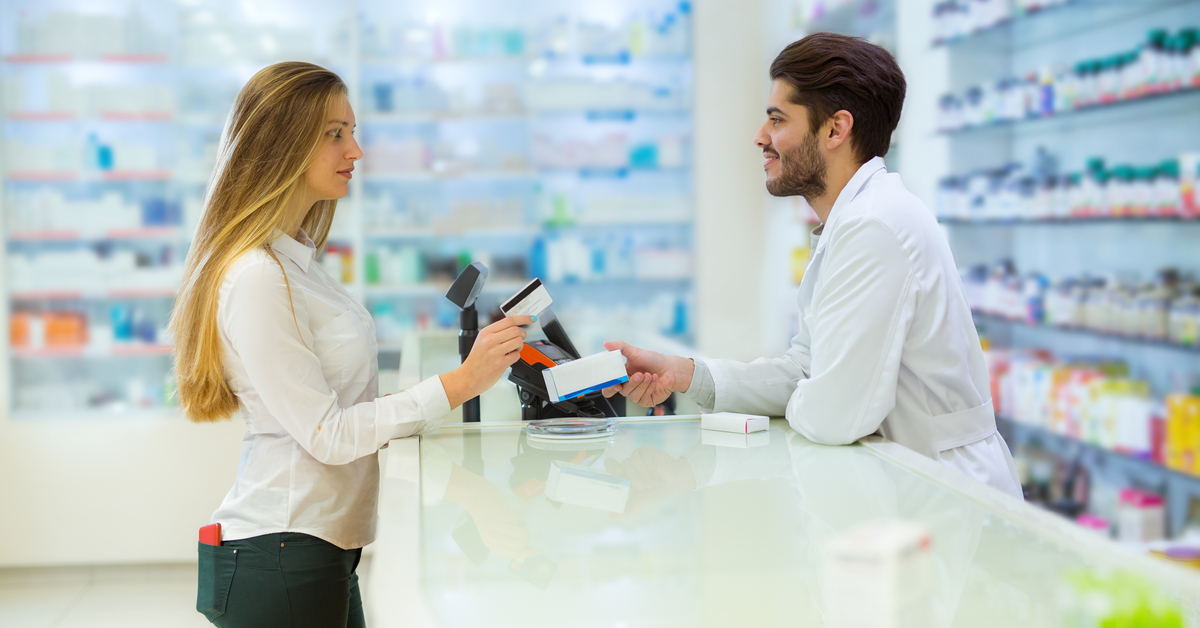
point(482, 525)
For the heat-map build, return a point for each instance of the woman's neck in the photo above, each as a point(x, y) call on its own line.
point(295, 213)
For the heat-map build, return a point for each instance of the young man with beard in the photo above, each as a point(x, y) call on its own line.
point(886, 342)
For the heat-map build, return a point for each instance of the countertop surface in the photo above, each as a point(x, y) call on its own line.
point(662, 525)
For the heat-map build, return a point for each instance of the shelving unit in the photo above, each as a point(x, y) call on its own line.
point(1146, 342)
point(482, 190)
point(1126, 248)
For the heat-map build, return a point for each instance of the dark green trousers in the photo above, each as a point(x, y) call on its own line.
point(283, 580)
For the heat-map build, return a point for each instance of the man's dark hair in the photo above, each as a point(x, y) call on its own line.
point(830, 72)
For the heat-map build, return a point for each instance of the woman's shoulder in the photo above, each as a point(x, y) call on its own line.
point(254, 272)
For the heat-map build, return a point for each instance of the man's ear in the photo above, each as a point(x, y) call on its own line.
point(839, 126)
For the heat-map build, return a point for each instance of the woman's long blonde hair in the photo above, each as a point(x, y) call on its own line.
point(270, 139)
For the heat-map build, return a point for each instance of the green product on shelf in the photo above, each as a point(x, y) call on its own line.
point(1095, 164)
point(371, 271)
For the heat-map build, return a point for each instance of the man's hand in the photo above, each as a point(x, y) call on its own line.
point(652, 376)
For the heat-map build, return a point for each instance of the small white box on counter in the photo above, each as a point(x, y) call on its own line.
point(732, 439)
point(888, 563)
point(585, 375)
point(733, 422)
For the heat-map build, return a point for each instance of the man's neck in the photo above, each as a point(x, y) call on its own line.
point(836, 178)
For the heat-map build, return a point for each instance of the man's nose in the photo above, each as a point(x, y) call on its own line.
point(761, 139)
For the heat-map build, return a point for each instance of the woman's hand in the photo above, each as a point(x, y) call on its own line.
point(497, 347)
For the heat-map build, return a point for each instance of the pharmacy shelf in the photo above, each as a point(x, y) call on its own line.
point(1006, 24)
point(71, 176)
point(1086, 18)
point(1080, 111)
point(111, 235)
point(93, 295)
point(385, 233)
point(528, 231)
point(611, 114)
point(1149, 342)
point(1069, 221)
point(1062, 443)
point(96, 414)
point(106, 116)
point(429, 290)
point(134, 58)
point(84, 351)
point(452, 175)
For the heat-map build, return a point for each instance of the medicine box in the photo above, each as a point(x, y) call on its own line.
point(580, 377)
point(733, 422)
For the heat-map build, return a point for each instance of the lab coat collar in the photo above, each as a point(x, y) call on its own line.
point(848, 194)
point(301, 253)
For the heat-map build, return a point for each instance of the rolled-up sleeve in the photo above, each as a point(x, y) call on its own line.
point(276, 351)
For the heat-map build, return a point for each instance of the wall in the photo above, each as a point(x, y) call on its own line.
point(731, 88)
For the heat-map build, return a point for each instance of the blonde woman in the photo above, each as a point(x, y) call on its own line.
point(260, 327)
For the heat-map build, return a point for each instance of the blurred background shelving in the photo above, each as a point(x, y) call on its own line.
point(1070, 143)
point(544, 139)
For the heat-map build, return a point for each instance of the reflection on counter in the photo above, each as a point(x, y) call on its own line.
point(765, 521)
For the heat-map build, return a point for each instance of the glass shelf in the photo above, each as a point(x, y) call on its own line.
point(1080, 113)
point(1149, 342)
point(83, 351)
point(1061, 442)
point(1069, 221)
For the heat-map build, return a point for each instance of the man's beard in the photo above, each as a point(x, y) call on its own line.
point(801, 171)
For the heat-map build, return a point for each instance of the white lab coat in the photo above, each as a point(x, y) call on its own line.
point(886, 341)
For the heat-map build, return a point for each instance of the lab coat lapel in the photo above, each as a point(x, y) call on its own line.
point(845, 197)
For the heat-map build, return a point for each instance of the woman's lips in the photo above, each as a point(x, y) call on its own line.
point(346, 173)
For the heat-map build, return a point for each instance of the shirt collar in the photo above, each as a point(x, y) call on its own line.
point(301, 253)
point(853, 187)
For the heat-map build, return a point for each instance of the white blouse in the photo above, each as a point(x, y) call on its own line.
point(308, 390)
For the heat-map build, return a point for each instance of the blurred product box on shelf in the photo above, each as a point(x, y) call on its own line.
point(58, 32)
point(338, 261)
point(1017, 191)
point(125, 325)
point(209, 38)
point(956, 19)
point(46, 209)
point(1167, 309)
point(1140, 516)
point(566, 95)
point(86, 271)
point(1182, 450)
point(1097, 403)
point(645, 33)
point(1164, 63)
point(115, 161)
point(63, 98)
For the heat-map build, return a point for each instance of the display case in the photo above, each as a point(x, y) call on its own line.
point(543, 138)
point(1071, 148)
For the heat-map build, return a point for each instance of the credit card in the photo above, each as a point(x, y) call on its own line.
point(530, 301)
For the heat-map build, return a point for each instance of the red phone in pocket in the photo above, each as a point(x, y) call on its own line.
point(211, 534)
